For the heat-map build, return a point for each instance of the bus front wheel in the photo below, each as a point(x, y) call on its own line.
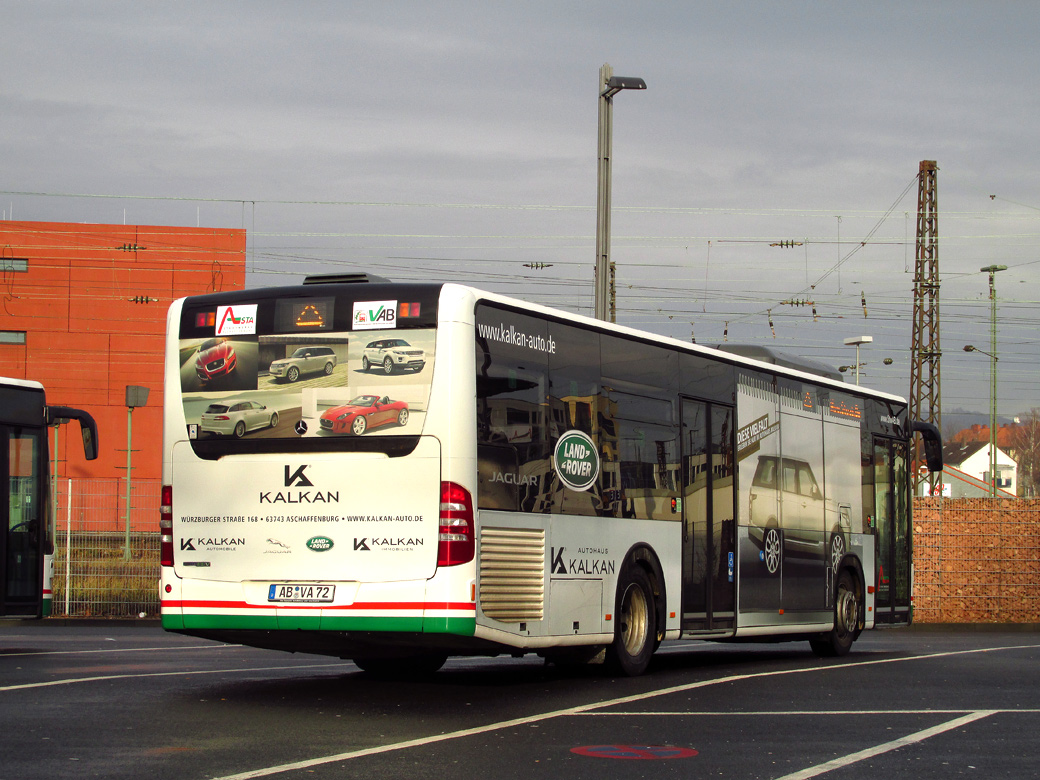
point(838, 641)
point(635, 623)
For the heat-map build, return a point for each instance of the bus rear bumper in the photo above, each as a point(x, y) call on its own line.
point(418, 607)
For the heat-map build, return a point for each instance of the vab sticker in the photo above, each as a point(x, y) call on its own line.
point(373, 315)
point(576, 460)
point(319, 543)
point(236, 319)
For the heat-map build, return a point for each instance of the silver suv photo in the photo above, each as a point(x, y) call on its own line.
point(812, 526)
point(305, 360)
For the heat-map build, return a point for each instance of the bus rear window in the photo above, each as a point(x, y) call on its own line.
point(253, 382)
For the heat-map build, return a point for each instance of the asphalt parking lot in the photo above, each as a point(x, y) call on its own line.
point(131, 701)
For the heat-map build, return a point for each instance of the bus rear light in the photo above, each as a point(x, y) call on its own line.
point(455, 542)
point(406, 310)
point(166, 526)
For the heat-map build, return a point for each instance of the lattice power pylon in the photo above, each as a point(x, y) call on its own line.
point(926, 353)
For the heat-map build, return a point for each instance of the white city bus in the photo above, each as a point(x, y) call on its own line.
point(471, 474)
point(27, 543)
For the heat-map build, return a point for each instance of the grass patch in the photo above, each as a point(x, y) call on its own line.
point(101, 582)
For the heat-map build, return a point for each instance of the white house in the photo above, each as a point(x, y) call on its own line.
point(969, 465)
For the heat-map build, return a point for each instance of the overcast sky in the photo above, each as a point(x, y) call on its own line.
point(457, 141)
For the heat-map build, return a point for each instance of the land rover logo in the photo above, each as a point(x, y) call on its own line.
point(319, 543)
point(576, 460)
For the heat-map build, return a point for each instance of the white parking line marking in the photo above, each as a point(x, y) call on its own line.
point(72, 680)
point(587, 708)
point(115, 650)
point(895, 744)
point(785, 713)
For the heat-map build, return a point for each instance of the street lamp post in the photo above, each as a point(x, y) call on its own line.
point(857, 341)
point(992, 271)
point(135, 396)
point(609, 85)
point(992, 415)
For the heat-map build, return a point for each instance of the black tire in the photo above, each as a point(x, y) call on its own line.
point(274, 419)
point(838, 641)
point(388, 365)
point(292, 374)
point(401, 668)
point(402, 417)
point(240, 429)
point(328, 369)
point(365, 365)
point(772, 550)
point(359, 426)
point(635, 623)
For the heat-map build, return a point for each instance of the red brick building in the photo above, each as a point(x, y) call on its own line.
point(83, 310)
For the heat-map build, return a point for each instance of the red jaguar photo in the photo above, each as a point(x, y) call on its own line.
point(362, 413)
point(216, 358)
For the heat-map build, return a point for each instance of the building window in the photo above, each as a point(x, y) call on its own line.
point(12, 336)
point(14, 264)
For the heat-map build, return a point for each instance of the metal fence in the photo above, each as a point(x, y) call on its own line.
point(106, 559)
point(977, 560)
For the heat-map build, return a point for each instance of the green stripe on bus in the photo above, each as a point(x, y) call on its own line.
point(450, 625)
point(457, 626)
point(228, 621)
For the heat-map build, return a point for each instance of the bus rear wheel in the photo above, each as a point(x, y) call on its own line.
point(635, 623)
point(838, 641)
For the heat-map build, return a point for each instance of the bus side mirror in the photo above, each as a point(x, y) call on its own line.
point(932, 444)
point(87, 426)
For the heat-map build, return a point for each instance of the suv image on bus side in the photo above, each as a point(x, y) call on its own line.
point(304, 360)
point(788, 485)
point(392, 354)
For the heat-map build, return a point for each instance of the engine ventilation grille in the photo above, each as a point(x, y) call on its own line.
point(512, 573)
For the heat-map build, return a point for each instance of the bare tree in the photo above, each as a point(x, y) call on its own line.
point(1025, 444)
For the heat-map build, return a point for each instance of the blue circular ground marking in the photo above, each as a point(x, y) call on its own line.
point(634, 752)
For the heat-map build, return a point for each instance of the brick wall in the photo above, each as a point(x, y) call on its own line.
point(976, 560)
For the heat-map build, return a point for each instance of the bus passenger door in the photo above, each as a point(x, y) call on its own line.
point(21, 554)
point(892, 531)
point(709, 516)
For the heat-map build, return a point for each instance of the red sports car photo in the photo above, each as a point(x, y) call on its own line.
point(216, 358)
point(362, 413)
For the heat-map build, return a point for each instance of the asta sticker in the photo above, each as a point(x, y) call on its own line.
point(373, 315)
point(232, 320)
point(576, 460)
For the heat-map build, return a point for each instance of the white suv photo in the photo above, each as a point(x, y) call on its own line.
point(389, 355)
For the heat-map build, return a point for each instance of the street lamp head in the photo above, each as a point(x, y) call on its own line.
point(857, 340)
point(969, 348)
point(992, 269)
point(626, 82)
point(617, 83)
